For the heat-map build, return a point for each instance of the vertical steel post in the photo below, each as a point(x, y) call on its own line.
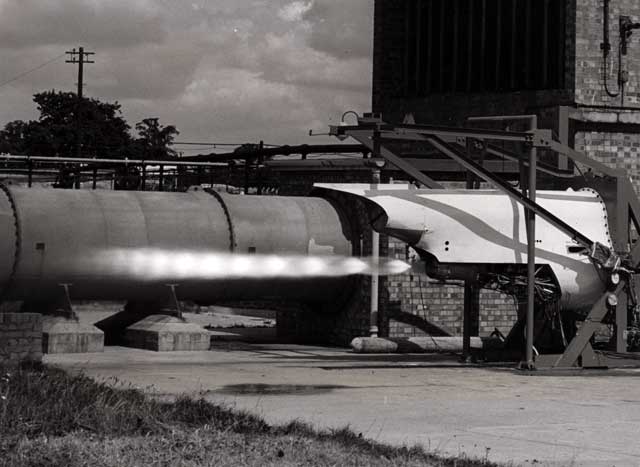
point(30, 173)
point(259, 161)
point(622, 245)
point(246, 176)
point(375, 259)
point(144, 177)
point(563, 134)
point(471, 292)
point(95, 178)
point(531, 252)
point(161, 178)
point(470, 321)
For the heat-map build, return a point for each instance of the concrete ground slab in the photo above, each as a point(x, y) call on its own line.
point(572, 418)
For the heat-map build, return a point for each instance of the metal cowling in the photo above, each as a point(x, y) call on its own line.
point(60, 230)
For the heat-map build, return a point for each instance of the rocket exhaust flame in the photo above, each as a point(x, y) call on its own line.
point(158, 264)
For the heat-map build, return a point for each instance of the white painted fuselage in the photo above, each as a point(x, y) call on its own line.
point(488, 227)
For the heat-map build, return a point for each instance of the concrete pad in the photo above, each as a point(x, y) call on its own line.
point(576, 418)
point(63, 335)
point(164, 333)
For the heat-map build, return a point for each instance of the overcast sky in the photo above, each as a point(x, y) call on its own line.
point(220, 70)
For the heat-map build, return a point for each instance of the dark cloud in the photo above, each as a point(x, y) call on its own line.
point(113, 23)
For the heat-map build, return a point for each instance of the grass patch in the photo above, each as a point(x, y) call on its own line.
point(50, 418)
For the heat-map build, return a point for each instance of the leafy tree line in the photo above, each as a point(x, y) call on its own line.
point(104, 133)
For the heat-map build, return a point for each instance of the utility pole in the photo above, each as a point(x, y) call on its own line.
point(80, 57)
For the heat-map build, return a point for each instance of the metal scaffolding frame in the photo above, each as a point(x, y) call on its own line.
point(623, 206)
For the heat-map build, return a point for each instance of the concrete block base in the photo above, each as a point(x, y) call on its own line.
point(164, 333)
point(63, 335)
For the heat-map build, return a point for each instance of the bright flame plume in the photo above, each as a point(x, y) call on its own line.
point(159, 264)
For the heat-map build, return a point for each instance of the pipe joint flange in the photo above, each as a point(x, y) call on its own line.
point(18, 240)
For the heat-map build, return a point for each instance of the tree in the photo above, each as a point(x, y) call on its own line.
point(155, 139)
point(20, 137)
point(104, 132)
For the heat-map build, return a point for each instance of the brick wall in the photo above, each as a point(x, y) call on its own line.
point(20, 337)
point(617, 150)
point(620, 148)
point(589, 79)
point(439, 305)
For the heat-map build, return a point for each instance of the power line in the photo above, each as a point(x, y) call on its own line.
point(25, 73)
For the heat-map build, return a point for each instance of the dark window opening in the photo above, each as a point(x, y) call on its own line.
point(483, 46)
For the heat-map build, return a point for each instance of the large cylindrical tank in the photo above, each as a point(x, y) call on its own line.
point(48, 237)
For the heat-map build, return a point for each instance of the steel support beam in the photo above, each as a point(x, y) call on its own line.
point(541, 166)
point(365, 138)
point(578, 157)
point(413, 132)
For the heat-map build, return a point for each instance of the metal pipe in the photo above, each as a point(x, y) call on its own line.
point(89, 160)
